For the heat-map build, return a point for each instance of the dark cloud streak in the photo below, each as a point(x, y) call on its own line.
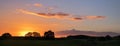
point(61, 15)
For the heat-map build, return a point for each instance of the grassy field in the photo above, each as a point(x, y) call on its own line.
point(58, 43)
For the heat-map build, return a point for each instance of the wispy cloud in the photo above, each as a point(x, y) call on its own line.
point(94, 17)
point(27, 12)
point(77, 18)
point(61, 15)
point(88, 18)
point(51, 8)
point(58, 15)
point(54, 15)
point(38, 5)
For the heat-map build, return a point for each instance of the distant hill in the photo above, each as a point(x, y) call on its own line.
point(89, 33)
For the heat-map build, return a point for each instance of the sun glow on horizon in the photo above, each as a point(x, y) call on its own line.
point(25, 30)
point(22, 33)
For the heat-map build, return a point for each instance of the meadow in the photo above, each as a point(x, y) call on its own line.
point(73, 42)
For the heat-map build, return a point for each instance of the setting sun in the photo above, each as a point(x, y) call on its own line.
point(25, 30)
point(59, 22)
point(22, 33)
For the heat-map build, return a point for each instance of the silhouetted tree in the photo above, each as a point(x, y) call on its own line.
point(49, 35)
point(29, 34)
point(6, 36)
point(78, 37)
point(108, 37)
point(36, 34)
point(117, 37)
point(101, 38)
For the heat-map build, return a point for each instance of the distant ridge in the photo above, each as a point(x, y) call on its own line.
point(89, 33)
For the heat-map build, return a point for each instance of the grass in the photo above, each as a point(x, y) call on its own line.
point(75, 42)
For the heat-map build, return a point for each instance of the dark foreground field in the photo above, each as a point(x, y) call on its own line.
point(58, 43)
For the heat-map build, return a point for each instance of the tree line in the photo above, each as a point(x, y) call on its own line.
point(30, 35)
point(49, 35)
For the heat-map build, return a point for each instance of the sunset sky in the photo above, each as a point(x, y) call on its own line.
point(21, 16)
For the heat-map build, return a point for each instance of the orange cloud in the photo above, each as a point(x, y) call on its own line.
point(27, 12)
point(61, 15)
point(88, 18)
point(77, 18)
point(55, 15)
point(51, 8)
point(38, 5)
point(31, 13)
point(94, 17)
point(45, 15)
